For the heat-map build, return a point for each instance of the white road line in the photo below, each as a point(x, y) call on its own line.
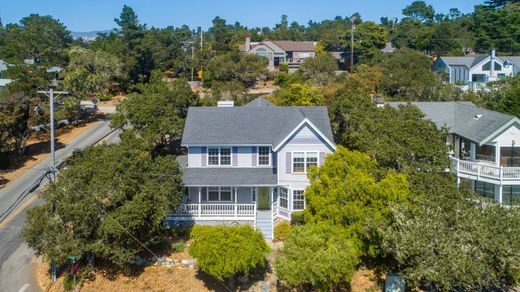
point(24, 287)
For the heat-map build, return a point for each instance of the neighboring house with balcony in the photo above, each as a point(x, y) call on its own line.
point(248, 164)
point(485, 147)
point(292, 52)
point(474, 71)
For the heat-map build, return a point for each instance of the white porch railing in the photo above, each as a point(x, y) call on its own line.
point(215, 210)
point(471, 169)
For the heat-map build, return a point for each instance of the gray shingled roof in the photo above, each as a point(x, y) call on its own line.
point(226, 176)
point(461, 118)
point(259, 102)
point(472, 60)
point(468, 61)
point(267, 125)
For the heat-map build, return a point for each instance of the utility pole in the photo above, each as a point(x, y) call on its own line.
point(353, 27)
point(50, 93)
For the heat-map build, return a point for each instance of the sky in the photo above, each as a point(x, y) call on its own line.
point(90, 15)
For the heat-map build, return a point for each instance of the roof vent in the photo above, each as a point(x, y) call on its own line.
point(478, 116)
point(225, 103)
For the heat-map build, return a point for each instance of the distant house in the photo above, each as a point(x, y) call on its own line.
point(248, 164)
point(485, 145)
point(474, 71)
point(277, 52)
point(3, 80)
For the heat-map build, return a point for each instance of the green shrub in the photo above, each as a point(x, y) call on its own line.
point(68, 283)
point(224, 252)
point(105, 97)
point(281, 230)
point(297, 218)
point(318, 257)
point(178, 246)
point(284, 67)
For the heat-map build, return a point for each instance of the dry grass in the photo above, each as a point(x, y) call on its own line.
point(37, 149)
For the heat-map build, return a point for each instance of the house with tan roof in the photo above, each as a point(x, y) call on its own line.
point(292, 52)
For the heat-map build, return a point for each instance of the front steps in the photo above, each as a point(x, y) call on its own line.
point(264, 223)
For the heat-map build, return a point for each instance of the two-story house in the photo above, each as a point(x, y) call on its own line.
point(474, 71)
point(485, 147)
point(248, 164)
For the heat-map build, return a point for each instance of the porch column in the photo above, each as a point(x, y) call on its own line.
point(473, 151)
point(235, 191)
point(497, 154)
point(199, 211)
point(500, 194)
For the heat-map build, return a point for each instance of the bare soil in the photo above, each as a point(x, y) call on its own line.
point(38, 148)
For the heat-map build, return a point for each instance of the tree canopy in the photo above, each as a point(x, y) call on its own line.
point(157, 112)
point(450, 240)
point(109, 200)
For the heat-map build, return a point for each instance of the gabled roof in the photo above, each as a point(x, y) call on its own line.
point(259, 102)
point(292, 46)
point(255, 124)
point(472, 60)
point(287, 46)
point(464, 119)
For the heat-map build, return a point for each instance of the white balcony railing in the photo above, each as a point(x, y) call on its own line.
point(215, 210)
point(476, 170)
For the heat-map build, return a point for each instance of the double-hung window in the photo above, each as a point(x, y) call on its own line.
point(263, 155)
point(299, 162)
point(283, 198)
point(219, 194)
point(302, 161)
point(298, 200)
point(219, 156)
point(310, 160)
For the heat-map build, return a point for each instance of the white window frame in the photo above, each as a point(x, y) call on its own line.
point(268, 156)
point(220, 156)
point(219, 190)
point(299, 200)
point(305, 156)
point(280, 197)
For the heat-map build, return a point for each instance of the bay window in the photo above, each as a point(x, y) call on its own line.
point(283, 198)
point(298, 200)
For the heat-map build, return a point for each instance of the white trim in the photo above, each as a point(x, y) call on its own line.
point(306, 120)
point(220, 156)
point(304, 160)
point(269, 154)
point(500, 130)
point(304, 203)
point(219, 195)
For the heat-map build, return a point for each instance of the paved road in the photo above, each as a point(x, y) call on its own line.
point(16, 259)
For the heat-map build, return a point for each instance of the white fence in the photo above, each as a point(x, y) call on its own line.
point(216, 210)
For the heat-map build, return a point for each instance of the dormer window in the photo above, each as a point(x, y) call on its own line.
point(219, 156)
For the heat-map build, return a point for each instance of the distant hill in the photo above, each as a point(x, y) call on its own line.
point(89, 35)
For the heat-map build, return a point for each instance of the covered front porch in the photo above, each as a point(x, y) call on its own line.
point(225, 202)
